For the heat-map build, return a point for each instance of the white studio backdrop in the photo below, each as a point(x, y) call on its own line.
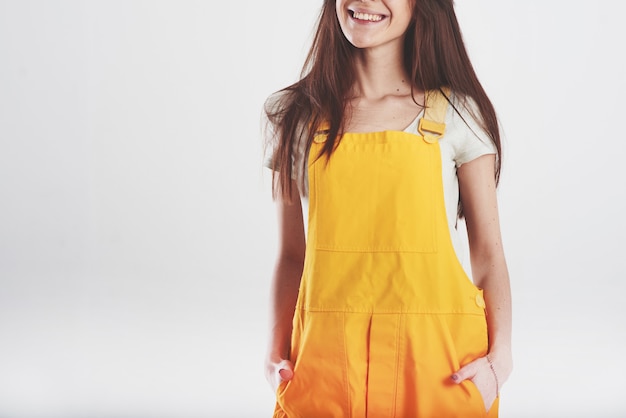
point(137, 232)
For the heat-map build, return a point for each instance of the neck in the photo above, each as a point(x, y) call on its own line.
point(380, 72)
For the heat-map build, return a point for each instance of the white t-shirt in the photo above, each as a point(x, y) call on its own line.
point(464, 141)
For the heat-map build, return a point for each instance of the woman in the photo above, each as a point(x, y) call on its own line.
point(389, 138)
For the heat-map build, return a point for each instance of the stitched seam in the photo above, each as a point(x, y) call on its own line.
point(400, 344)
point(386, 312)
point(345, 367)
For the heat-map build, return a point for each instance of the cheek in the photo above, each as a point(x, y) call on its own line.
point(407, 14)
point(408, 9)
point(342, 16)
point(339, 8)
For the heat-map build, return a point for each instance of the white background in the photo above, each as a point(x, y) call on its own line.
point(137, 232)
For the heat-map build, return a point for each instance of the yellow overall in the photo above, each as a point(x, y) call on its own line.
point(385, 313)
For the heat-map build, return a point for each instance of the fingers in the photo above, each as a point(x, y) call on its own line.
point(285, 370)
point(480, 374)
point(466, 372)
point(278, 371)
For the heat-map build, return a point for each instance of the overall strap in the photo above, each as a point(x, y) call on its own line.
point(432, 126)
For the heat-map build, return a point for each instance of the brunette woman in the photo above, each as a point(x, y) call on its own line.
point(384, 143)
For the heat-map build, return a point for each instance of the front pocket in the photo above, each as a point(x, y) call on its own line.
point(476, 398)
point(282, 387)
point(375, 194)
point(318, 387)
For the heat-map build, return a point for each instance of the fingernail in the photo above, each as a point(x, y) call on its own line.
point(455, 377)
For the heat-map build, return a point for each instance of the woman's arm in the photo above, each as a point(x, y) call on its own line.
point(285, 286)
point(489, 271)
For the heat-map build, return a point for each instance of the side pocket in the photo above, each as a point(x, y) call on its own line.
point(476, 398)
point(281, 394)
point(281, 388)
point(318, 385)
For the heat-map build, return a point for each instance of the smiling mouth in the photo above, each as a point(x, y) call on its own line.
point(367, 17)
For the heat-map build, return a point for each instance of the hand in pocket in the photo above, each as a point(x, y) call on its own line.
point(278, 371)
point(480, 373)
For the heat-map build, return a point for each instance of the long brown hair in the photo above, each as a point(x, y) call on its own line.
point(434, 56)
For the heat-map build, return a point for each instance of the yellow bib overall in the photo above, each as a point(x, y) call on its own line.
point(385, 313)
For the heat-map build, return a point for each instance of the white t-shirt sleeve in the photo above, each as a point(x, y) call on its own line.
point(467, 139)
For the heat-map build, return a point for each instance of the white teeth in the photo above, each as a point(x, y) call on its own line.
point(368, 17)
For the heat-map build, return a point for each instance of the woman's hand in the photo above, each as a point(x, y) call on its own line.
point(278, 371)
point(486, 376)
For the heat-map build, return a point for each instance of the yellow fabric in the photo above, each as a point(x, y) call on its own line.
point(385, 312)
point(434, 116)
